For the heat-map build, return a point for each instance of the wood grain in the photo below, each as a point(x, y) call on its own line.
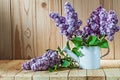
point(11, 70)
point(24, 75)
point(10, 73)
point(95, 74)
point(84, 8)
point(77, 74)
point(110, 63)
point(26, 29)
point(112, 74)
point(3, 63)
point(7, 66)
point(5, 30)
point(59, 75)
point(55, 38)
point(44, 75)
point(116, 7)
point(43, 25)
point(23, 29)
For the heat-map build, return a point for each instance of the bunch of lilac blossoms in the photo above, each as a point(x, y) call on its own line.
point(48, 60)
point(111, 25)
point(92, 27)
point(70, 24)
point(102, 23)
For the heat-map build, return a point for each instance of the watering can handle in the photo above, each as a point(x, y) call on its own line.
point(106, 53)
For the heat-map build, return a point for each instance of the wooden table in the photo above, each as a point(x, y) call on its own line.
point(11, 70)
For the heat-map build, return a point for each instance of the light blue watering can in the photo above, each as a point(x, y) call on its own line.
point(91, 58)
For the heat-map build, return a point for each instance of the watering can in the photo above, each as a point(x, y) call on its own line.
point(90, 59)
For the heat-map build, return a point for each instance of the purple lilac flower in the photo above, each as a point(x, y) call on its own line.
point(70, 24)
point(92, 27)
point(40, 64)
point(102, 23)
point(26, 65)
point(49, 59)
point(112, 26)
point(78, 33)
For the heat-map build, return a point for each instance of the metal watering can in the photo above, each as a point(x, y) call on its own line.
point(91, 58)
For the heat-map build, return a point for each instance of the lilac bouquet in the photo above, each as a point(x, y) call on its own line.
point(100, 25)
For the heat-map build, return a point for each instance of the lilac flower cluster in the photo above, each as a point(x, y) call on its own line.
point(102, 23)
point(70, 24)
point(48, 60)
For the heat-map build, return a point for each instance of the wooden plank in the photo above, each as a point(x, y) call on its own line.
point(77, 74)
point(24, 75)
point(43, 26)
point(3, 61)
point(47, 33)
point(59, 75)
point(10, 73)
point(108, 7)
point(110, 63)
point(112, 74)
point(7, 66)
point(23, 29)
point(84, 8)
point(5, 30)
point(116, 7)
point(97, 74)
point(41, 75)
point(108, 2)
point(55, 35)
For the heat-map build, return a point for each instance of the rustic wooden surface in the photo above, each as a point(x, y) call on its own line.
point(23, 28)
point(26, 30)
point(11, 70)
point(5, 30)
point(116, 7)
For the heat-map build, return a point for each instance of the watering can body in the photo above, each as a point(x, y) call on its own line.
point(90, 59)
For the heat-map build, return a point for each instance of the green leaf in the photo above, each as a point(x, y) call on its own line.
point(92, 40)
point(104, 43)
point(60, 51)
point(77, 41)
point(89, 39)
point(65, 63)
point(68, 45)
point(78, 53)
point(53, 69)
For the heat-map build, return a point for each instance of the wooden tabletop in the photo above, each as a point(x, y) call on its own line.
point(11, 70)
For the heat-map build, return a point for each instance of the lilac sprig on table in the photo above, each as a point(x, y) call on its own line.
point(70, 24)
point(51, 60)
point(48, 60)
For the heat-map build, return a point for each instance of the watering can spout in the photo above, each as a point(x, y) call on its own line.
point(71, 54)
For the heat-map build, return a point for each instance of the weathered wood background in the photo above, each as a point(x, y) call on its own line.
point(26, 30)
